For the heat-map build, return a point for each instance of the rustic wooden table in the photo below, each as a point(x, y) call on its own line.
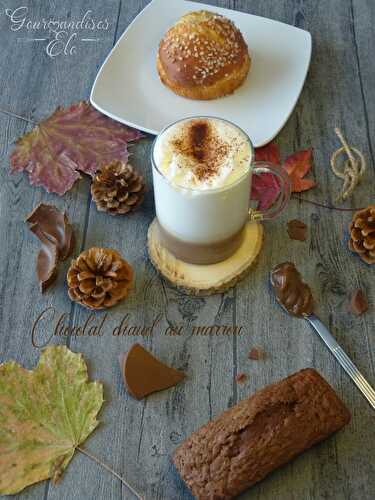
point(138, 437)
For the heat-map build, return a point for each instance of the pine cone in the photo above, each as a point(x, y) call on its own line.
point(362, 234)
point(117, 188)
point(99, 278)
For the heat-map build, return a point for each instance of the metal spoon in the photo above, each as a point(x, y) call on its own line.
point(291, 289)
point(342, 358)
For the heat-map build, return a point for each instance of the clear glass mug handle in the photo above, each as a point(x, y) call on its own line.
point(260, 167)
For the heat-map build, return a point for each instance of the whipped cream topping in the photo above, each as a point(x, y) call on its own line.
point(202, 154)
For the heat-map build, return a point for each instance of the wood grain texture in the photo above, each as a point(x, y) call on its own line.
point(137, 437)
point(205, 280)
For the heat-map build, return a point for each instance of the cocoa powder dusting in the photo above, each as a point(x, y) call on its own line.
point(201, 144)
point(199, 135)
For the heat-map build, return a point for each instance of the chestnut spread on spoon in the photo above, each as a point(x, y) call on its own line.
point(291, 292)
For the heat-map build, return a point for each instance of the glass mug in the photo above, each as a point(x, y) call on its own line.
point(207, 226)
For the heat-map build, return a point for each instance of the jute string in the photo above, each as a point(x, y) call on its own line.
point(351, 170)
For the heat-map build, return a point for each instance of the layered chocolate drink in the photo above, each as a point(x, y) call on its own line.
point(201, 171)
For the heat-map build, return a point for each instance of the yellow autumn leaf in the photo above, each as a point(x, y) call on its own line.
point(45, 414)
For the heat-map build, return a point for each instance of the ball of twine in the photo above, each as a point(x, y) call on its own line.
point(351, 170)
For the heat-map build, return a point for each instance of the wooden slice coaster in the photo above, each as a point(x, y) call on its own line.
point(206, 279)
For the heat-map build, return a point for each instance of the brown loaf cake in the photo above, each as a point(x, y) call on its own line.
point(203, 56)
point(245, 443)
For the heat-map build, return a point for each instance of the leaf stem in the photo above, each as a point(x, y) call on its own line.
point(106, 467)
point(14, 115)
point(330, 207)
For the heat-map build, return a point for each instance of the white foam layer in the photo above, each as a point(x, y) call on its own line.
point(180, 169)
point(196, 210)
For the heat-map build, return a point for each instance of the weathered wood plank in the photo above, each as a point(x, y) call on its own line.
point(33, 84)
point(361, 16)
point(150, 430)
point(332, 96)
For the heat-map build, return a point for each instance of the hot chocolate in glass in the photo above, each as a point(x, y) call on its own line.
point(202, 170)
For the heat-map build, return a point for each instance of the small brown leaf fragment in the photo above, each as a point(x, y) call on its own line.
point(297, 230)
point(256, 354)
point(241, 377)
point(358, 302)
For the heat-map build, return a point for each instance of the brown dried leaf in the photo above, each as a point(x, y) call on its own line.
point(45, 414)
point(358, 302)
point(297, 230)
point(256, 354)
point(241, 378)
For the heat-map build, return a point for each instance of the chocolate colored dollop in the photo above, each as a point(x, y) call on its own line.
point(291, 291)
point(53, 229)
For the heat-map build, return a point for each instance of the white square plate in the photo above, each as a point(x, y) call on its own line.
point(127, 87)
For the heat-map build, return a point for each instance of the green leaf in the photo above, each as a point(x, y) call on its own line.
point(45, 414)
